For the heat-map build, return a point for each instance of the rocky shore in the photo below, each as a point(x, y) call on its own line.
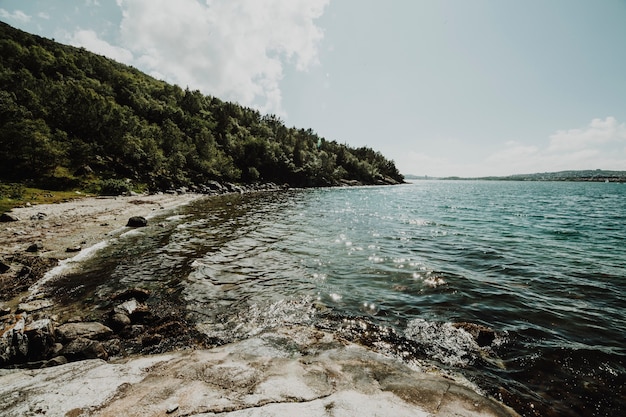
point(84, 365)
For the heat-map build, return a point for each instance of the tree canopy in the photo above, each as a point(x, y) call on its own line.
point(65, 111)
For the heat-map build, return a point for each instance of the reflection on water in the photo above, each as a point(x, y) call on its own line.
point(393, 267)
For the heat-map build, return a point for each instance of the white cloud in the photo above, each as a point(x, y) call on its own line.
point(90, 40)
point(233, 49)
point(601, 145)
point(43, 15)
point(597, 133)
point(17, 15)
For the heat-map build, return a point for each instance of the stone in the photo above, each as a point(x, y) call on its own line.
point(41, 339)
point(120, 320)
point(483, 335)
point(73, 249)
point(137, 221)
point(82, 348)
point(8, 217)
point(138, 294)
point(38, 216)
point(32, 306)
point(35, 247)
point(89, 330)
point(4, 267)
point(56, 361)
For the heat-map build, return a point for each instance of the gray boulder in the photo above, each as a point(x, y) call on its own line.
point(89, 330)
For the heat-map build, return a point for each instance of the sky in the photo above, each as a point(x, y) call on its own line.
point(465, 88)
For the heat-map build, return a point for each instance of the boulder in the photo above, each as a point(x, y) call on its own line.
point(89, 330)
point(137, 221)
point(41, 341)
point(82, 348)
point(8, 217)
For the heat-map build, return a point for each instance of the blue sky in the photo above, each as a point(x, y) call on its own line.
point(457, 87)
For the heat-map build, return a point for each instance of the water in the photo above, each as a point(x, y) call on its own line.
point(542, 264)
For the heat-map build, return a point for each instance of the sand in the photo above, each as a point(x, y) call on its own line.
point(79, 223)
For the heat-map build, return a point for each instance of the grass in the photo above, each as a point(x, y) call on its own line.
point(14, 195)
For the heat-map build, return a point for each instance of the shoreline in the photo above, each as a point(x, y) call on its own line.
point(88, 221)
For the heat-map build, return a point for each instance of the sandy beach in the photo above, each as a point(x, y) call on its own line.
point(79, 223)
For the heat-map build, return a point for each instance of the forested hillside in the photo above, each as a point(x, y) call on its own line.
point(68, 116)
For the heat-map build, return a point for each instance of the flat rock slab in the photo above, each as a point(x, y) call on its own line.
point(289, 372)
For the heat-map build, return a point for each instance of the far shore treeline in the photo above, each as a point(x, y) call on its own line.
point(70, 118)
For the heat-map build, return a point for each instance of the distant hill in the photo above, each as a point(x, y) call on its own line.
point(597, 175)
point(69, 117)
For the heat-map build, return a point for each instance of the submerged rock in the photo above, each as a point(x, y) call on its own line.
point(139, 294)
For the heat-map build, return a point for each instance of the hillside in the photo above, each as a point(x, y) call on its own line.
point(597, 175)
point(70, 118)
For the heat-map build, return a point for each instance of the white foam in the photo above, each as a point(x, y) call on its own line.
point(66, 266)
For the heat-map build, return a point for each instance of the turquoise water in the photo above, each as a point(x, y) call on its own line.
point(543, 264)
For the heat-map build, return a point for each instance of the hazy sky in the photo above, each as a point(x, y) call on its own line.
point(459, 87)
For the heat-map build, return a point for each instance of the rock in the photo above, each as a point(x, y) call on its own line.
point(73, 249)
point(13, 342)
point(120, 320)
point(136, 311)
point(8, 217)
point(35, 247)
point(4, 311)
point(259, 376)
point(113, 347)
point(41, 340)
point(4, 267)
point(137, 221)
point(33, 306)
point(38, 216)
point(89, 330)
point(139, 294)
point(82, 348)
point(56, 361)
point(483, 335)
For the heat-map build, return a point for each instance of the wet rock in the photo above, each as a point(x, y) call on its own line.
point(35, 247)
point(32, 306)
point(8, 217)
point(82, 348)
point(137, 221)
point(89, 330)
point(137, 312)
point(73, 249)
point(138, 294)
point(483, 335)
